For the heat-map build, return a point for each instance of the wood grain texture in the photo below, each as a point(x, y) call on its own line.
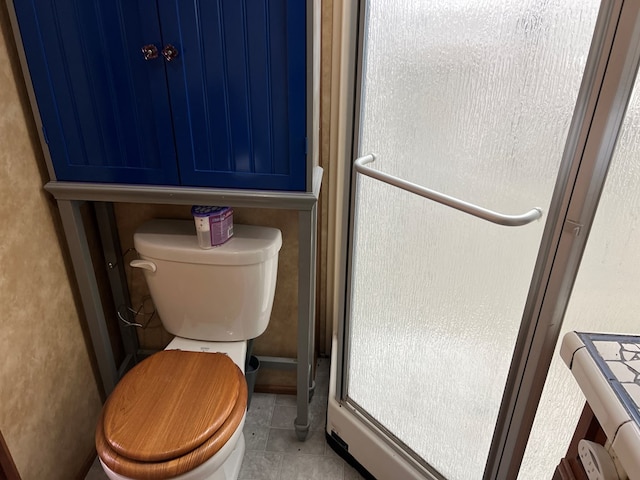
point(564, 471)
point(588, 427)
point(8, 469)
point(170, 404)
point(176, 466)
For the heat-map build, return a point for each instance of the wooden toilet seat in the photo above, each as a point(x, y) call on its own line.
point(171, 413)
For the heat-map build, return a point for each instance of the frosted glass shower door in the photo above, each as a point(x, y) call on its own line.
point(472, 99)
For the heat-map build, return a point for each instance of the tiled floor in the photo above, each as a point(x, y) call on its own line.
point(273, 451)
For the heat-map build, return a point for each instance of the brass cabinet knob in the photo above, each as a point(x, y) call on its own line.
point(169, 52)
point(150, 52)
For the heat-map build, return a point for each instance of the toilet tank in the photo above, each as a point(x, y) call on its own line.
point(221, 294)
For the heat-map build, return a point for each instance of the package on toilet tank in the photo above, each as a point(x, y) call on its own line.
point(214, 225)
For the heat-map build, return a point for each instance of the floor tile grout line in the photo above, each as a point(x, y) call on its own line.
point(280, 466)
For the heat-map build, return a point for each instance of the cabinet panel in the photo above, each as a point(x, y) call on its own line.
point(105, 109)
point(238, 91)
point(228, 111)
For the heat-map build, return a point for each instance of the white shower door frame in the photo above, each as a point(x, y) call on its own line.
point(604, 94)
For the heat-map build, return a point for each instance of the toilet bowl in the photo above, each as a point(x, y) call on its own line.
point(179, 413)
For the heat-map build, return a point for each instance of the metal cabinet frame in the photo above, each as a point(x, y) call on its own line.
point(70, 196)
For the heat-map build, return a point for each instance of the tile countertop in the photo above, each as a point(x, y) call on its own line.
point(607, 369)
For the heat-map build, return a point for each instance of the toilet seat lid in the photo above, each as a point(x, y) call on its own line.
point(170, 403)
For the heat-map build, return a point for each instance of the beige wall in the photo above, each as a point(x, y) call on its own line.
point(324, 320)
point(49, 400)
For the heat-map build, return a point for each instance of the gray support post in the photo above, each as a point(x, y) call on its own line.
point(88, 286)
point(117, 279)
point(306, 315)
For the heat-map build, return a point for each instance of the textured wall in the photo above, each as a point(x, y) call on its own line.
point(324, 327)
point(48, 395)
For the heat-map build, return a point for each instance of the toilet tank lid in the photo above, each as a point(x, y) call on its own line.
point(176, 240)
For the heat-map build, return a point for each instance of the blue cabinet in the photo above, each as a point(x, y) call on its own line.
point(169, 92)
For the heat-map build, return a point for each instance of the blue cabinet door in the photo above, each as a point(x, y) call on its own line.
point(104, 108)
point(238, 92)
point(228, 111)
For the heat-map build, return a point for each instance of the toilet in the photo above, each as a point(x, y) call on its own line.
point(180, 412)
